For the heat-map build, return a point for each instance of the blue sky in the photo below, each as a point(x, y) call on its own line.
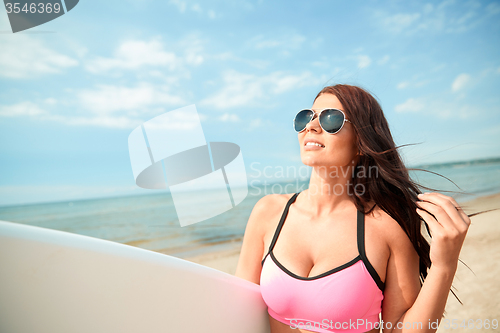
point(73, 89)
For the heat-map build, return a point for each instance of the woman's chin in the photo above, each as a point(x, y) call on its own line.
point(312, 162)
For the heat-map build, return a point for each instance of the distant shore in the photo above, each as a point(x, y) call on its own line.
point(479, 290)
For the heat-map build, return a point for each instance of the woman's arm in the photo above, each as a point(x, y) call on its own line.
point(448, 230)
point(252, 250)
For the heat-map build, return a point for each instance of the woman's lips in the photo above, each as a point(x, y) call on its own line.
point(312, 147)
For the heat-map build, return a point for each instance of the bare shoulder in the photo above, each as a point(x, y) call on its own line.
point(266, 208)
point(388, 229)
point(252, 249)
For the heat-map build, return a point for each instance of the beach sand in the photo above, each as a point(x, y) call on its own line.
point(479, 290)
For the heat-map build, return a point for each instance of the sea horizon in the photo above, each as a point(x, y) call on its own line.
point(150, 221)
point(430, 166)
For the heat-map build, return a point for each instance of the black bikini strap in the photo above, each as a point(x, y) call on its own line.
point(362, 252)
point(282, 220)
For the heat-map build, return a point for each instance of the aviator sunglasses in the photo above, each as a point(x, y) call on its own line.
point(330, 120)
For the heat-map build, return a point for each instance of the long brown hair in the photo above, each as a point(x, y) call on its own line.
point(392, 190)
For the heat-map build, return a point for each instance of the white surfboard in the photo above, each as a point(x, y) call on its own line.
point(58, 282)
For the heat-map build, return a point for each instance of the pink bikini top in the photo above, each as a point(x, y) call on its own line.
point(344, 299)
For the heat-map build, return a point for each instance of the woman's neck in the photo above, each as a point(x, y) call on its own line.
point(329, 190)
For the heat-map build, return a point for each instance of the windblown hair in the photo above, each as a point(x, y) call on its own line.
point(392, 190)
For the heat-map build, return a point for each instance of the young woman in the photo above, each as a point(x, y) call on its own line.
point(333, 257)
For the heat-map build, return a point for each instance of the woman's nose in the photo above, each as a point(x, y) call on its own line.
point(313, 124)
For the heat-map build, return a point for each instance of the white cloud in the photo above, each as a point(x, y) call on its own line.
point(493, 8)
point(50, 101)
point(247, 89)
point(412, 83)
point(121, 106)
point(228, 56)
point(428, 8)
point(23, 57)
point(364, 61)
point(106, 106)
point(152, 54)
point(109, 99)
point(410, 105)
point(384, 60)
point(175, 121)
point(229, 117)
point(280, 82)
point(133, 55)
point(258, 123)
point(399, 22)
point(240, 89)
point(441, 107)
point(192, 47)
point(20, 109)
point(196, 8)
point(447, 17)
point(100, 121)
point(289, 42)
point(460, 82)
point(255, 123)
point(181, 5)
point(403, 85)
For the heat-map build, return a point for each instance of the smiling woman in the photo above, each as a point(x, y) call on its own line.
point(352, 249)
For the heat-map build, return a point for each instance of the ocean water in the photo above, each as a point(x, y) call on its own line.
point(472, 178)
point(150, 221)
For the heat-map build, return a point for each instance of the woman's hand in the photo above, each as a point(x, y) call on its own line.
point(448, 228)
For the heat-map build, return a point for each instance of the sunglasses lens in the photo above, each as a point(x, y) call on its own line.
point(331, 120)
point(302, 119)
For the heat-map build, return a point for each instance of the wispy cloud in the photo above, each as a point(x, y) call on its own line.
point(184, 6)
point(21, 109)
point(384, 60)
point(493, 8)
point(364, 61)
point(135, 54)
point(410, 105)
point(258, 123)
point(403, 85)
point(247, 89)
point(441, 107)
point(106, 99)
point(399, 22)
point(288, 41)
point(412, 83)
point(180, 4)
point(104, 106)
point(446, 17)
point(460, 82)
point(229, 117)
point(255, 123)
point(23, 57)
